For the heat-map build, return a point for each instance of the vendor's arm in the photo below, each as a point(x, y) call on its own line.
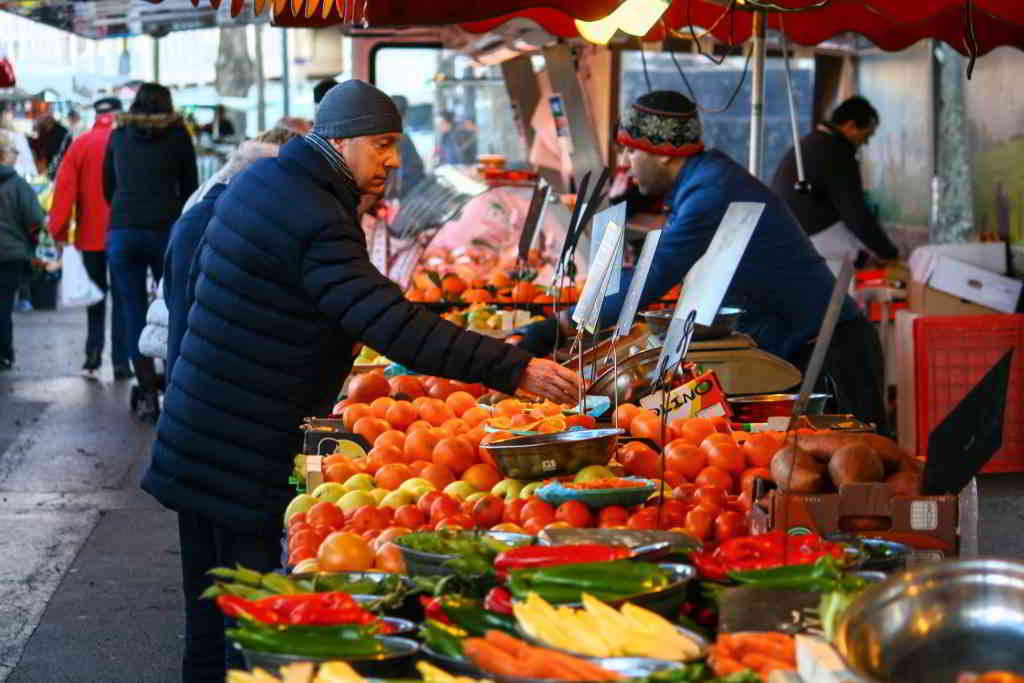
point(370, 308)
point(684, 239)
point(845, 189)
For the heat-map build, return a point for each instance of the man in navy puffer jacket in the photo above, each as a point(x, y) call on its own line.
point(280, 291)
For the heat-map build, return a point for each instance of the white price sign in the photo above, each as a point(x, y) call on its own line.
point(636, 285)
point(599, 275)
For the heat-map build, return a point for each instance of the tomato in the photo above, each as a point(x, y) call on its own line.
point(456, 521)
point(684, 492)
point(698, 523)
point(575, 514)
point(300, 553)
point(729, 525)
point(536, 507)
point(487, 511)
point(367, 518)
point(427, 500)
point(585, 421)
point(613, 515)
point(444, 507)
point(410, 516)
point(297, 518)
point(325, 513)
point(710, 494)
point(645, 519)
point(512, 513)
point(673, 513)
point(344, 552)
point(304, 537)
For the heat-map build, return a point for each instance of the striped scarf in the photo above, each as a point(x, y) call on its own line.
point(335, 160)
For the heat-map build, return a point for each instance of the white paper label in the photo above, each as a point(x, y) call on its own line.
point(924, 515)
point(636, 285)
point(314, 463)
point(709, 278)
point(616, 213)
point(597, 277)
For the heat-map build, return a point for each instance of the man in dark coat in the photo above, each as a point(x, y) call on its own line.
point(835, 213)
point(281, 289)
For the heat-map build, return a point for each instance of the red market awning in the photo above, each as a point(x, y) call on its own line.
point(889, 24)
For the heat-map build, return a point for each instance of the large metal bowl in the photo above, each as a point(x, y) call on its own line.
point(928, 624)
point(723, 325)
point(422, 563)
point(550, 455)
point(634, 379)
point(393, 662)
point(759, 407)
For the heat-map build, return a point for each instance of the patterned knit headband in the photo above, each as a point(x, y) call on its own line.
point(663, 123)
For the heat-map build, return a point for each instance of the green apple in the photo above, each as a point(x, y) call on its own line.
point(396, 499)
point(359, 482)
point(379, 494)
point(356, 499)
point(330, 491)
point(508, 489)
point(473, 497)
point(459, 490)
point(299, 503)
point(527, 491)
point(592, 473)
point(417, 486)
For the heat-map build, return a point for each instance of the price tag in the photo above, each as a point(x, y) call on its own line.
point(709, 278)
point(616, 213)
point(677, 343)
point(597, 278)
point(613, 272)
point(636, 285)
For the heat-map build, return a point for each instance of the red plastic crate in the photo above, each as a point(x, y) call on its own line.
point(951, 355)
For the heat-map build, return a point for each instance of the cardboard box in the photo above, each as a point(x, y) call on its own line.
point(928, 301)
point(929, 524)
point(975, 284)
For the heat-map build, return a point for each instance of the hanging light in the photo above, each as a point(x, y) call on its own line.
point(638, 17)
point(600, 31)
point(635, 17)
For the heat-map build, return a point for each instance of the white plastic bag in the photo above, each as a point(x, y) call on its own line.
point(76, 287)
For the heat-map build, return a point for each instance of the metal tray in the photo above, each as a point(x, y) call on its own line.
point(665, 601)
point(418, 562)
point(630, 538)
point(459, 667)
point(550, 455)
point(402, 626)
point(634, 379)
point(723, 325)
point(657, 664)
point(383, 664)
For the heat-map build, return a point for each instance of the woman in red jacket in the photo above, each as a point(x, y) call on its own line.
point(79, 194)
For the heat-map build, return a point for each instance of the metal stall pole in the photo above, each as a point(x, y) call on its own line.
point(156, 59)
point(261, 85)
point(286, 85)
point(757, 98)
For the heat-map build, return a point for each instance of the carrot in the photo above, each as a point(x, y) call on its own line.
point(538, 665)
point(762, 664)
point(587, 671)
point(766, 644)
point(507, 643)
point(490, 658)
point(723, 666)
point(725, 643)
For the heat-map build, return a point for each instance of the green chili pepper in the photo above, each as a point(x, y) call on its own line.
point(238, 589)
point(441, 640)
point(477, 621)
point(302, 641)
point(279, 584)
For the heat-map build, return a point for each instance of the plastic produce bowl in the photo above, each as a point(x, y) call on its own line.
point(556, 493)
point(550, 455)
point(396, 662)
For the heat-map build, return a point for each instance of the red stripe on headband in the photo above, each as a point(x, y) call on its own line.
point(668, 150)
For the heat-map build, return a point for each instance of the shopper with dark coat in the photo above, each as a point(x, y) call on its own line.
point(280, 292)
point(78, 196)
point(20, 218)
point(148, 174)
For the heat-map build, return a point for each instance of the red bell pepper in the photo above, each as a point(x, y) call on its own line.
point(313, 609)
point(498, 600)
point(535, 556)
point(764, 551)
point(432, 609)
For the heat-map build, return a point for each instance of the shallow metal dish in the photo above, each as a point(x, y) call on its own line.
point(931, 623)
point(418, 562)
point(629, 667)
point(459, 667)
point(549, 455)
point(723, 325)
point(383, 664)
point(402, 626)
point(759, 407)
point(665, 601)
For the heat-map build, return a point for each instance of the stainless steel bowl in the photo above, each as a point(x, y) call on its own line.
point(634, 379)
point(723, 325)
point(550, 455)
point(928, 624)
point(391, 660)
point(759, 407)
point(421, 563)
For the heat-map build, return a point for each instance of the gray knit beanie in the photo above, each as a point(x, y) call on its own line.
point(353, 109)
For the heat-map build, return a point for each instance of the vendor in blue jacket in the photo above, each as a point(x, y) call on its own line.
point(280, 290)
point(782, 283)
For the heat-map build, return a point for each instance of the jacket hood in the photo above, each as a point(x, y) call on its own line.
point(149, 120)
point(246, 153)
